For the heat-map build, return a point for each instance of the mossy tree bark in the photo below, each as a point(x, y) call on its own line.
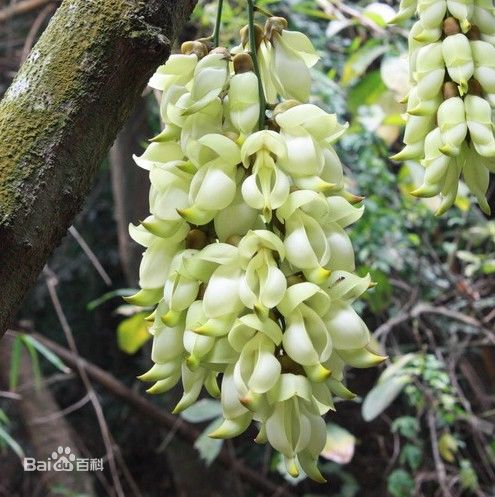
point(60, 117)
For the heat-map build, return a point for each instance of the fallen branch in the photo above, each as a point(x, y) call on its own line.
point(157, 414)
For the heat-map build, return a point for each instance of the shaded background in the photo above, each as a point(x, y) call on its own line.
point(433, 308)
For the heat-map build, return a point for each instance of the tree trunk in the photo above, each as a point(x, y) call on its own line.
point(60, 116)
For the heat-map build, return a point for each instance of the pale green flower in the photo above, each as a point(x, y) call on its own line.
point(484, 18)
point(407, 8)
point(196, 345)
point(158, 153)
point(257, 369)
point(246, 327)
point(213, 186)
point(422, 35)
point(476, 175)
point(263, 285)
point(463, 11)
point(181, 289)
point(451, 119)
point(307, 131)
point(192, 384)
point(458, 60)
point(157, 259)
point(295, 427)
point(204, 122)
point(342, 211)
point(480, 125)
point(222, 293)
point(484, 63)
point(211, 76)
point(236, 219)
point(430, 71)
point(313, 242)
point(306, 339)
point(346, 328)
point(282, 54)
point(237, 416)
point(346, 286)
point(178, 70)
point(169, 191)
point(436, 164)
point(432, 12)
point(243, 102)
point(267, 187)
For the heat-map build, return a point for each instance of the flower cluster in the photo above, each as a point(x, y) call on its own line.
point(247, 264)
point(449, 107)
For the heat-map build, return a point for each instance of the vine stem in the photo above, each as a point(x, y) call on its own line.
point(218, 24)
point(254, 56)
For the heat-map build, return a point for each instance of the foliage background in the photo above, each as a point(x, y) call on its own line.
point(432, 431)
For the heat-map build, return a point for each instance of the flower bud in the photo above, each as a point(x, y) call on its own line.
point(243, 98)
point(479, 122)
point(458, 60)
point(451, 119)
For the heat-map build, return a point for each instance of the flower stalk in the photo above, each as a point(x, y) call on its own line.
point(218, 24)
point(254, 56)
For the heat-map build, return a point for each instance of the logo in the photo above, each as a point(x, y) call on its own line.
point(63, 459)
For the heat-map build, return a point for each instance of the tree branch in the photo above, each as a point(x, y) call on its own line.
point(60, 117)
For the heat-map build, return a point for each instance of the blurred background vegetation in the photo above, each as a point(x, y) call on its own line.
point(424, 423)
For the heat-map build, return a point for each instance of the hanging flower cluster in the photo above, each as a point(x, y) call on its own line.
point(449, 107)
point(247, 259)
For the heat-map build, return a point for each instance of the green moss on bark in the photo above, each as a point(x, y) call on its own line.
point(57, 76)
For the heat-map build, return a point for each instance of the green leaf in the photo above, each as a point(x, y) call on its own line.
point(203, 410)
point(400, 483)
point(412, 455)
point(121, 292)
point(366, 92)
point(15, 363)
point(35, 363)
point(488, 267)
point(4, 418)
point(360, 60)
point(309, 11)
point(407, 426)
point(468, 476)
point(382, 395)
point(46, 353)
point(132, 333)
point(8, 440)
point(209, 448)
point(448, 446)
